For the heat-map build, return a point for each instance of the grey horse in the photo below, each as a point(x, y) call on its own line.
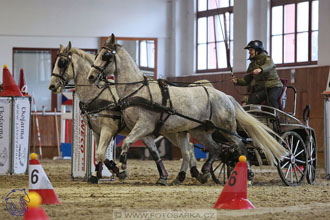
point(198, 110)
point(75, 64)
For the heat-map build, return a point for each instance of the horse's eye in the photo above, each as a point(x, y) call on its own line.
point(62, 63)
point(106, 56)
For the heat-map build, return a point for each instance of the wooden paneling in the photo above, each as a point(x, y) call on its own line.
point(309, 82)
point(47, 135)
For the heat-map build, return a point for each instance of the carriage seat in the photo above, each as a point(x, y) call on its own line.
point(282, 99)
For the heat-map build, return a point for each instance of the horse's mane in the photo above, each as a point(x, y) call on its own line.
point(83, 54)
point(130, 59)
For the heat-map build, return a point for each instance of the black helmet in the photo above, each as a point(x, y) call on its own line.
point(255, 44)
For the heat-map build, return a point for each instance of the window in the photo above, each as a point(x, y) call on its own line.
point(215, 34)
point(143, 52)
point(294, 32)
point(146, 55)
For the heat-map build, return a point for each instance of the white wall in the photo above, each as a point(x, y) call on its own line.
point(47, 23)
point(183, 38)
point(240, 35)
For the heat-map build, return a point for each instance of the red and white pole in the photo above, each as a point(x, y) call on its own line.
point(37, 125)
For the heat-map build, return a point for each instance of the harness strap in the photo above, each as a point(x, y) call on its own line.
point(123, 100)
point(98, 68)
point(84, 110)
point(113, 96)
point(210, 104)
point(59, 76)
point(96, 97)
point(146, 82)
point(108, 116)
point(142, 102)
point(165, 96)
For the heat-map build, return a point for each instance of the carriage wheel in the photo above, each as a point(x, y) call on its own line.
point(312, 160)
point(220, 172)
point(293, 167)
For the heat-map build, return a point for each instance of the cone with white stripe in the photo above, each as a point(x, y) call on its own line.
point(39, 182)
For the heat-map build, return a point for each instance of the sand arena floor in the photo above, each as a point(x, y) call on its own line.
point(81, 201)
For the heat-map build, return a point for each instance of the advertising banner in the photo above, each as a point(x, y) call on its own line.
point(21, 134)
point(5, 128)
point(79, 146)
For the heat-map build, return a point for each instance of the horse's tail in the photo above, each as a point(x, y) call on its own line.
point(260, 134)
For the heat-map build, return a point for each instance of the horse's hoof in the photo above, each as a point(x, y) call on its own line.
point(93, 180)
point(122, 175)
point(203, 178)
point(250, 177)
point(176, 182)
point(162, 182)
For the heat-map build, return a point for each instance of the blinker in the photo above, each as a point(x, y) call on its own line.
point(62, 63)
point(107, 56)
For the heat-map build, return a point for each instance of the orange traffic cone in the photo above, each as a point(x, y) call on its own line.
point(34, 211)
point(39, 182)
point(9, 87)
point(22, 84)
point(234, 194)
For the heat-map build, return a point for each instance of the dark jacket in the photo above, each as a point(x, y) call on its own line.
point(267, 77)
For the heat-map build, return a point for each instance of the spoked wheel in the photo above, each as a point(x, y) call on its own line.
point(312, 160)
point(220, 172)
point(293, 167)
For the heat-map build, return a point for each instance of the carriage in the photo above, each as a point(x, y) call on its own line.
point(299, 138)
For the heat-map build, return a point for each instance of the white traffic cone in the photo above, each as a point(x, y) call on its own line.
point(39, 182)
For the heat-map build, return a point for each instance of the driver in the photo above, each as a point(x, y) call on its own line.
point(263, 81)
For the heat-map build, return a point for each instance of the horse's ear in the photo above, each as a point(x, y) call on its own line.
point(61, 47)
point(112, 39)
point(69, 46)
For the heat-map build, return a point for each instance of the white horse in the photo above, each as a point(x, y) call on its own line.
point(199, 110)
point(75, 64)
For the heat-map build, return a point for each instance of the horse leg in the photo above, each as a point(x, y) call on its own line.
point(141, 129)
point(205, 138)
point(241, 150)
point(94, 178)
point(105, 138)
point(149, 142)
point(182, 141)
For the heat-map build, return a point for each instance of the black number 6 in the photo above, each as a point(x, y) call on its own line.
point(232, 179)
point(34, 177)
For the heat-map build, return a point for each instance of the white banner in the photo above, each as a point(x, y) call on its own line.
point(21, 117)
point(79, 142)
point(5, 134)
point(84, 161)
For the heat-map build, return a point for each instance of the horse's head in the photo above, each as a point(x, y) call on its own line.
point(106, 61)
point(63, 69)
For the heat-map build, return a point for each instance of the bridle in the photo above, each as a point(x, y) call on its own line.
point(63, 63)
point(108, 56)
